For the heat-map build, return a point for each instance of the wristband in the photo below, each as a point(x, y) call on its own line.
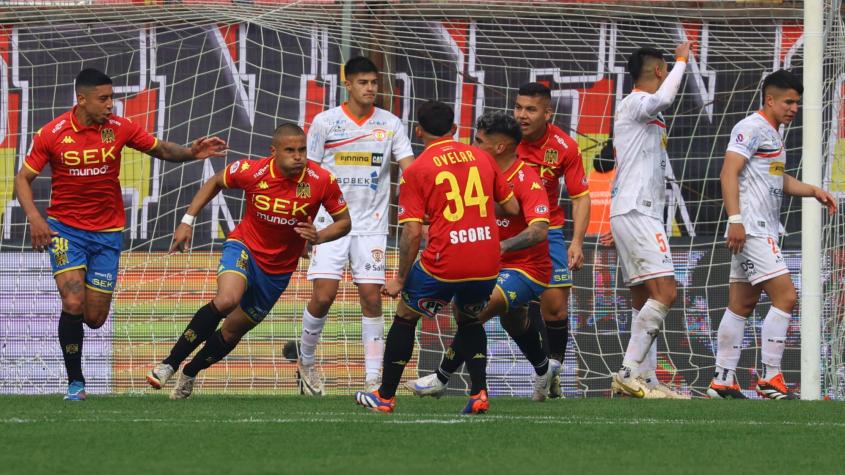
point(188, 219)
point(735, 219)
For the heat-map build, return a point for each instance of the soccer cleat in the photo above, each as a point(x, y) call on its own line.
point(774, 388)
point(158, 376)
point(374, 402)
point(372, 384)
point(624, 383)
point(477, 404)
point(76, 391)
point(543, 384)
point(660, 390)
point(183, 388)
point(723, 391)
point(309, 379)
point(555, 391)
point(427, 386)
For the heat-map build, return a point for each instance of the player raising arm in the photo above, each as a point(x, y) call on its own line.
point(456, 185)
point(638, 199)
point(753, 183)
point(283, 194)
point(85, 218)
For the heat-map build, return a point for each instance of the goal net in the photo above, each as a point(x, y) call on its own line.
point(237, 69)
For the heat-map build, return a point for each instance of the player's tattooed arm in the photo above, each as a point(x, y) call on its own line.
point(200, 149)
point(39, 230)
point(535, 233)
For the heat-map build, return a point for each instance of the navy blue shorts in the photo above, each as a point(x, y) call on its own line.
point(97, 252)
point(561, 277)
point(517, 288)
point(262, 289)
point(427, 295)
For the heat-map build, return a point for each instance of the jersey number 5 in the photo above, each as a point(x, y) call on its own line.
point(472, 195)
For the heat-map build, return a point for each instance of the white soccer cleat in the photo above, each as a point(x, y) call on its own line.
point(543, 384)
point(309, 378)
point(554, 390)
point(184, 387)
point(372, 384)
point(427, 386)
point(625, 384)
point(665, 391)
point(159, 375)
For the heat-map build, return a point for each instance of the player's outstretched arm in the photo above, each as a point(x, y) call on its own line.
point(729, 177)
point(535, 233)
point(665, 94)
point(794, 187)
point(40, 231)
point(200, 149)
point(409, 246)
point(184, 231)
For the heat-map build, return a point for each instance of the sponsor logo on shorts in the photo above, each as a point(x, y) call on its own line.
point(243, 260)
point(431, 307)
point(378, 255)
point(473, 308)
point(748, 267)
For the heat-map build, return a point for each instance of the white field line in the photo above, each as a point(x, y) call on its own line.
point(335, 418)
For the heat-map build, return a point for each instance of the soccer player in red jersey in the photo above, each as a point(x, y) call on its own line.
point(455, 185)
point(283, 194)
point(526, 265)
point(85, 217)
point(555, 155)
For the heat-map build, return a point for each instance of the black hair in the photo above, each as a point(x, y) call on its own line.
point(285, 130)
point(359, 64)
point(90, 77)
point(783, 79)
point(639, 58)
point(500, 122)
point(534, 89)
point(605, 161)
point(436, 118)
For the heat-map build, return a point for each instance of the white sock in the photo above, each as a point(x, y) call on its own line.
point(646, 368)
point(775, 326)
point(643, 331)
point(312, 327)
point(372, 336)
point(731, 330)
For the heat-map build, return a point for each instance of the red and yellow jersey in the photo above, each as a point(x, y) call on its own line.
point(85, 163)
point(274, 204)
point(533, 261)
point(556, 155)
point(453, 184)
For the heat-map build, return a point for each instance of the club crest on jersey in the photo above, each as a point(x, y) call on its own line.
point(431, 306)
point(550, 157)
point(303, 190)
point(107, 135)
point(380, 135)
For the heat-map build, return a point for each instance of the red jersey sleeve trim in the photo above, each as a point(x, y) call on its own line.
point(585, 192)
point(225, 171)
point(507, 198)
point(27, 165)
point(341, 210)
point(538, 220)
point(155, 144)
point(410, 220)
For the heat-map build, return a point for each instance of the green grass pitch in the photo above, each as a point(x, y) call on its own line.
point(288, 434)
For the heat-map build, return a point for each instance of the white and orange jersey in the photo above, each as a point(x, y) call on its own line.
point(358, 153)
point(640, 141)
point(761, 181)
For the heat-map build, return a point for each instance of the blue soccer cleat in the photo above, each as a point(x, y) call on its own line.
point(76, 391)
point(374, 402)
point(478, 403)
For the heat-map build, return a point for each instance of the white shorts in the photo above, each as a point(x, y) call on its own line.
point(642, 247)
point(366, 255)
point(760, 260)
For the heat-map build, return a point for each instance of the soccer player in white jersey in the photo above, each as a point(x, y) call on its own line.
point(753, 184)
point(637, 205)
point(356, 142)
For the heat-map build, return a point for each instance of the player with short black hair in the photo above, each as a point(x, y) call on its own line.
point(555, 156)
point(638, 201)
point(526, 264)
point(85, 219)
point(451, 183)
point(357, 142)
point(753, 181)
point(283, 194)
